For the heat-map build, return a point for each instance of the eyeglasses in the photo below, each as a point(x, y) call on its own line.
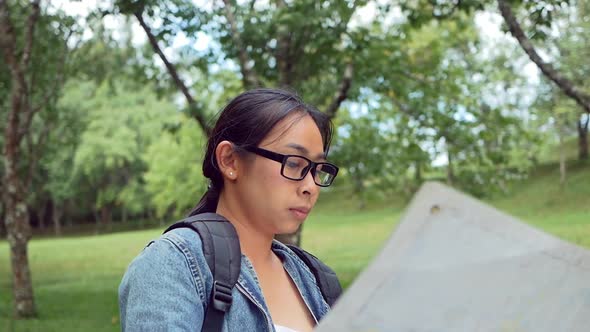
point(294, 167)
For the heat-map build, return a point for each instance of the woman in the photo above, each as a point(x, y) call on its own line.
point(266, 161)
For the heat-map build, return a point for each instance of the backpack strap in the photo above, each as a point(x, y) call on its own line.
point(221, 248)
point(325, 276)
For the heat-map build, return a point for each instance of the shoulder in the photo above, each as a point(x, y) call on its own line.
point(179, 251)
point(165, 283)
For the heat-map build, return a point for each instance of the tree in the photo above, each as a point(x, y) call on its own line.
point(541, 17)
point(444, 100)
point(35, 56)
point(566, 85)
point(541, 14)
point(573, 51)
point(304, 45)
point(57, 180)
point(109, 157)
point(173, 178)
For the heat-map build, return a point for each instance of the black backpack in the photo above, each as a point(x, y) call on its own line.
point(221, 248)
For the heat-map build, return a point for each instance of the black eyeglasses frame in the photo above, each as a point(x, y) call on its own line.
point(282, 158)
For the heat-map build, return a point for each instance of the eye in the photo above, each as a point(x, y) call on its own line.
point(294, 163)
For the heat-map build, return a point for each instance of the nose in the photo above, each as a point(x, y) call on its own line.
point(308, 185)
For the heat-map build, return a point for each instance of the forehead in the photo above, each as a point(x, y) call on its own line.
point(298, 129)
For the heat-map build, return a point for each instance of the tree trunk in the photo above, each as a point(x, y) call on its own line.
point(249, 77)
point(450, 173)
point(124, 215)
point(2, 218)
point(18, 228)
point(359, 189)
point(17, 46)
point(42, 214)
point(583, 138)
point(562, 162)
point(56, 217)
point(18, 234)
point(561, 133)
point(106, 216)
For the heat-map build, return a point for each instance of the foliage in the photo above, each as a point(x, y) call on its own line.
point(570, 47)
point(45, 74)
point(173, 178)
point(120, 128)
point(428, 98)
point(57, 162)
point(540, 14)
point(437, 110)
point(303, 45)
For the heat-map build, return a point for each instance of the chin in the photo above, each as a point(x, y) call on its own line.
point(289, 228)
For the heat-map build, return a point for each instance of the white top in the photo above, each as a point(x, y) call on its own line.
point(280, 328)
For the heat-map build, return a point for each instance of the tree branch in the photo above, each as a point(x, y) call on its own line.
point(284, 59)
point(449, 13)
point(27, 110)
point(402, 107)
point(196, 111)
point(248, 76)
point(7, 37)
point(342, 93)
point(49, 94)
point(30, 32)
point(413, 76)
point(546, 68)
point(19, 84)
point(284, 54)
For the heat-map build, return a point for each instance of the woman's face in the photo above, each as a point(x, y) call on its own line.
point(274, 204)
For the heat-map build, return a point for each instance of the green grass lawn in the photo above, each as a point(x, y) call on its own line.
point(543, 203)
point(75, 281)
point(76, 278)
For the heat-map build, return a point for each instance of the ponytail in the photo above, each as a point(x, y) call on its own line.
point(208, 202)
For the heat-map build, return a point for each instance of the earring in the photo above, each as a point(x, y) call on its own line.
point(231, 173)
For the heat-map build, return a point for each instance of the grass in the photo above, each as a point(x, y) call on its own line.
point(75, 281)
point(76, 278)
point(543, 203)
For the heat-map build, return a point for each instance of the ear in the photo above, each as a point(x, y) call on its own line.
point(227, 160)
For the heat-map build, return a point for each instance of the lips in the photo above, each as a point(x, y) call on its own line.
point(300, 212)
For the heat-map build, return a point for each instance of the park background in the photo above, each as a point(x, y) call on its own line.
point(105, 107)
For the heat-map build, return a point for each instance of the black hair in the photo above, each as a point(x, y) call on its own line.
point(245, 122)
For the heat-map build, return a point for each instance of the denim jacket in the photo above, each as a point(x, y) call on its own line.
point(167, 287)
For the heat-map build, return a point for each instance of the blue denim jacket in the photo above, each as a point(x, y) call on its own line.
point(167, 288)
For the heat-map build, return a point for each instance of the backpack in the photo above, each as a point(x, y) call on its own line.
point(221, 248)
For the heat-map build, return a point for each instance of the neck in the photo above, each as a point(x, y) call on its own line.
point(254, 242)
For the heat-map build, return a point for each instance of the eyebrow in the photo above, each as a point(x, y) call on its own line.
point(304, 150)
